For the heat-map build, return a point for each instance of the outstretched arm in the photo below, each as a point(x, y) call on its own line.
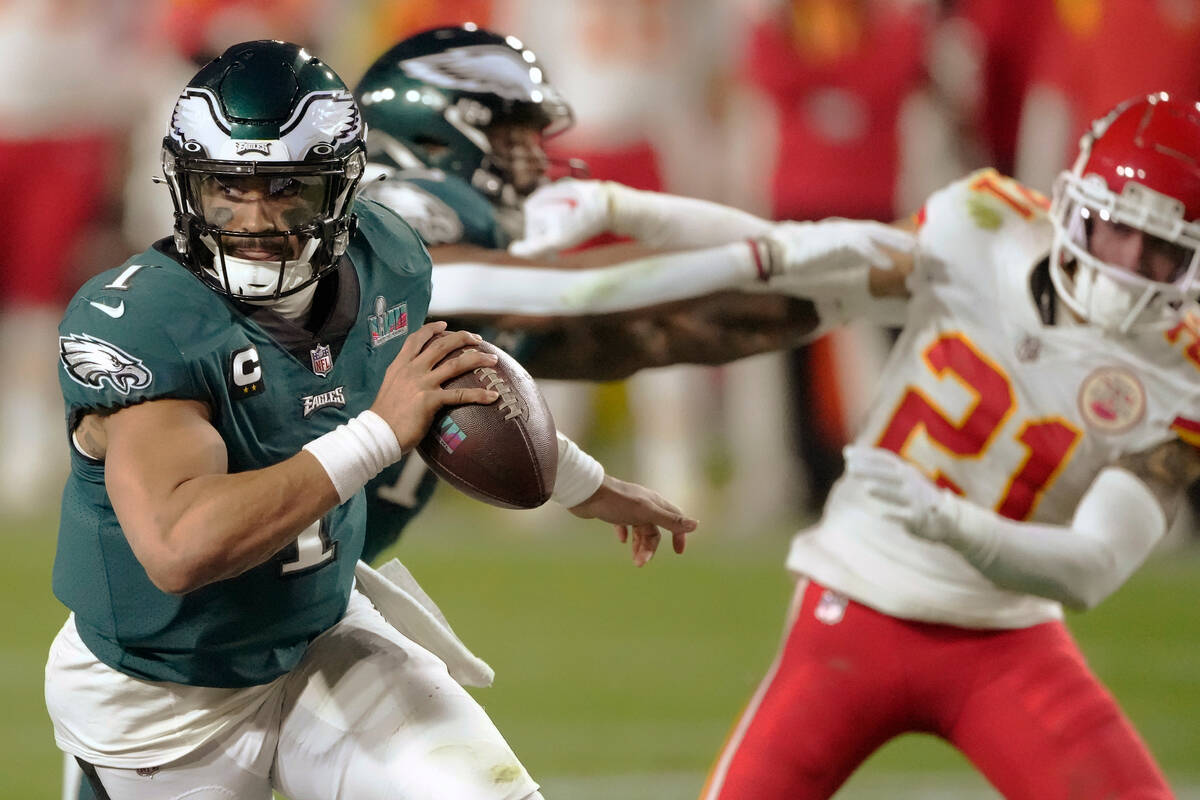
point(1124, 513)
point(825, 259)
point(567, 213)
point(712, 330)
point(607, 323)
point(584, 488)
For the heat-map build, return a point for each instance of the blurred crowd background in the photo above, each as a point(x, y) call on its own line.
point(793, 109)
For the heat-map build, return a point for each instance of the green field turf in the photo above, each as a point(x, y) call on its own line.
point(621, 683)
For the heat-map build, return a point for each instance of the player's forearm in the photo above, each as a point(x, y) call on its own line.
point(474, 289)
point(712, 330)
point(214, 527)
point(670, 221)
point(579, 475)
point(218, 525)
point(728, 326)
point(1114, 528)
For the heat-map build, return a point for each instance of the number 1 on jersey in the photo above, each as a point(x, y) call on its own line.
point(312, 549)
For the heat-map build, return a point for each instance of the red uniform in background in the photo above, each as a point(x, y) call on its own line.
point(837, 74)
point(606, 48)
point(1099, 52)
point(1005, 38)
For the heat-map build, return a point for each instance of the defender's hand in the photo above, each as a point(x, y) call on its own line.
point(412, 391)
point(802, 248)
point(562, 215)
point(901, 491)
point(628, 505)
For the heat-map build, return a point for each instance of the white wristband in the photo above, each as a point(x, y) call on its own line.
point(579, 475)
point(353, 453)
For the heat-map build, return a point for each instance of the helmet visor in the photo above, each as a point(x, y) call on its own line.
point(259, 203)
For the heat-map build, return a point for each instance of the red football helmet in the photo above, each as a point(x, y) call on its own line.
point(1138, 170)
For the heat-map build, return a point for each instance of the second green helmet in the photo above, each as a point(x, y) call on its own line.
point(431, 98)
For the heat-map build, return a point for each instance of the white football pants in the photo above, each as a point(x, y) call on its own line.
point(366, 714)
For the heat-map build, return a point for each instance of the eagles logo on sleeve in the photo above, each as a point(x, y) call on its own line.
point(91, 362)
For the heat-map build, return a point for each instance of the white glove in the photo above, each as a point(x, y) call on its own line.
point(801, 248)
point(562, 215)
point(901, 491)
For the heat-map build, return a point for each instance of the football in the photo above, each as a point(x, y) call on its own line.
point(505, 453)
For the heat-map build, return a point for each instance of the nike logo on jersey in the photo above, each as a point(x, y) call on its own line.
point(113, 311)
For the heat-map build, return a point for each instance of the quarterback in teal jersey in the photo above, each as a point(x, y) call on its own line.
point(230, 391)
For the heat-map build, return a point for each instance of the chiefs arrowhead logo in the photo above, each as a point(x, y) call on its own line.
point(1112, 400)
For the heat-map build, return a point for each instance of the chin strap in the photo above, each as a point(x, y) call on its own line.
point(244, 273)
point(293, 306)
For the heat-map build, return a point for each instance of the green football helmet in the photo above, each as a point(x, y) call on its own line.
point(436, 99)
point(263, 156)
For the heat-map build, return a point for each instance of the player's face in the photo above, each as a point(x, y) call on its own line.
point(260, 204)
point(1136, 251)
point(518, 149)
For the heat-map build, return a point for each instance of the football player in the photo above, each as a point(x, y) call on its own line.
point(1033, 432)
point(230, 392)
point(1032, 435)
point(457, 119)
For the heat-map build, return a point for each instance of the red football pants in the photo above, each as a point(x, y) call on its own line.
point(1020, 704)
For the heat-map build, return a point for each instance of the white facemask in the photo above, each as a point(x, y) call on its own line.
point(251, 279)
point(1103, 294)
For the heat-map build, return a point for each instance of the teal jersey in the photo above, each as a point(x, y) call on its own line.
point(444, 210)
point(394, 498)
point(151, 330)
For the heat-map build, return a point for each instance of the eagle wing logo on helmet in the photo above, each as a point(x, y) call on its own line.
point(322, 118)
point(197, 123)
point(485, 69)
point(92, 362)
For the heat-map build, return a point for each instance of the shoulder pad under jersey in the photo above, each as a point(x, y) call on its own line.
point(988, 201)
point(444, 209)
point(978, 227)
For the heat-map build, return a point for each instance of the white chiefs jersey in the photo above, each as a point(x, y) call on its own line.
point(986, 399)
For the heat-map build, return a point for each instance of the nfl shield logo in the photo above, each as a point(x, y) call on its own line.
point(322, 360)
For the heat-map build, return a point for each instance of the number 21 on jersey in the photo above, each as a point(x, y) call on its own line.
point(1047, 442)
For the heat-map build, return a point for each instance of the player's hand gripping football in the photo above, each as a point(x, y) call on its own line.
point(562, 215)
point(412, 391)
point(902, 493)
point(629, 506)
